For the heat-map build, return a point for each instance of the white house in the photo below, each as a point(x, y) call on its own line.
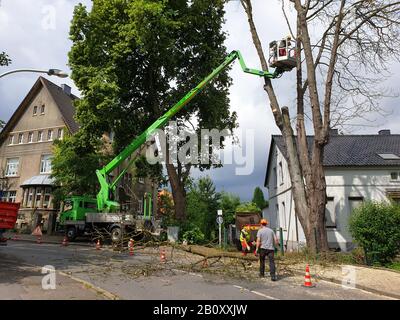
point(357, 168)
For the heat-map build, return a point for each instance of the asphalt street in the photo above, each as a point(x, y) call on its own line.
point(106, 274)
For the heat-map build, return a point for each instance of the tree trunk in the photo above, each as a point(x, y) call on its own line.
point(178, 189)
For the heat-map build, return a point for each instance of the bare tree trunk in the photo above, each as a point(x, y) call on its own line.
point(178, 189)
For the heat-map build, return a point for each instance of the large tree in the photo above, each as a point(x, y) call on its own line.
point(132, 59)
point(342, 49)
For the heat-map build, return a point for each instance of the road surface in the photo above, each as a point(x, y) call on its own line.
point(85, 273)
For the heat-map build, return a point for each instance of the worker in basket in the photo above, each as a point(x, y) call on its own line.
point(245, 239)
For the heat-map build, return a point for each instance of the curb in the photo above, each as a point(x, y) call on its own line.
point(99, 290)
point(357, 286)
point(52, 242)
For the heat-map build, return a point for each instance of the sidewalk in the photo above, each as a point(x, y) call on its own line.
point(53, 239)
point(380, 281)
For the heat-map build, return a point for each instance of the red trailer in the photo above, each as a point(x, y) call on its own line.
point(8, 217)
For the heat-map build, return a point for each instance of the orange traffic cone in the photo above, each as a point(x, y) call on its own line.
point(98, 246)
point(130, 245)
point(307, 278)
point(65, 242)
point(163, 259)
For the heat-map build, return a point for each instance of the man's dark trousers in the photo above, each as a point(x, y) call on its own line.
point(263, 254)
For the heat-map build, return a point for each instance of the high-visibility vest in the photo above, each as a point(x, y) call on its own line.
point(244, 235)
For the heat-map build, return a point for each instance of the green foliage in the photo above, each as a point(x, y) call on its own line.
point(258, 198)
point(375, 227)
point(2, 124)
point(248, 207)
point(194, 236)
point(133, 59)
point(4, 59)
point(228, 203)
point(126, 55)
point(73, 167)
point(202, 203)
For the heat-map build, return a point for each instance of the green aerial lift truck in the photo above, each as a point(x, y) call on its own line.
point(80, 215)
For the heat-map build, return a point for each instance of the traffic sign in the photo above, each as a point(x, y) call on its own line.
point(220, 220)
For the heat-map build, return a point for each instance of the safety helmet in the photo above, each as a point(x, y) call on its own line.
point(264, 222)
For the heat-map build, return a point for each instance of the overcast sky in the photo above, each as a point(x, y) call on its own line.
point(35, 35)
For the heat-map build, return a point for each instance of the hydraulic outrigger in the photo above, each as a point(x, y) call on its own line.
point(104, 201)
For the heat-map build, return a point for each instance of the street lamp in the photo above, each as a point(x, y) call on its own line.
point(51, 72)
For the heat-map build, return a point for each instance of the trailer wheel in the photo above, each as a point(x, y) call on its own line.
point(71, 233)
point(116, 234)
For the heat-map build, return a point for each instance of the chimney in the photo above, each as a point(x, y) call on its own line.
point(384, 132)
point(66, 89)
point(333, 132)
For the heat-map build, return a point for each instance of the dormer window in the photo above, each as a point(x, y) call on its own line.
point(35, 110)
point(42, 109)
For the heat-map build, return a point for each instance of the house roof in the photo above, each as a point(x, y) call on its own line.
point(63, 101)
point(351, 150)
point(41, 180)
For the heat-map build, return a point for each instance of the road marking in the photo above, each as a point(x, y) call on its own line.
point(255, 292)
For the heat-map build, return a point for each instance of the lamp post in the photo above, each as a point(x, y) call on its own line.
point(51, 72)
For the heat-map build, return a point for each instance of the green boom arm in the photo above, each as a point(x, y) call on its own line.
point(107, 188)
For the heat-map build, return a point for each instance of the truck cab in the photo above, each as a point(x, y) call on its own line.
point(75, 209)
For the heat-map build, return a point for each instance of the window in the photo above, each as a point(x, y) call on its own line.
point(11, 139)
point(12, 167)
point(60, 133)
point(140, 206)
point(389, 156)
point(30, 137)
point(38, 197)
point(330, 216)
point(35, 110)
point(21, 138)
point(275, 181)
point(40, 136)
point(30, 198)
point(12, 195)
point(42, 109)
point(90, 205)
point(394, 175)
point(50, 135)
point(280, 173)
point(9, 196)
point(141, 180)
point(284, 215)
point(354, 202)
point(47, 194)
point(45, 164)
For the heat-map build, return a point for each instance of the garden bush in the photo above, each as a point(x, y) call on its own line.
point(193, 236)
point(376, 228)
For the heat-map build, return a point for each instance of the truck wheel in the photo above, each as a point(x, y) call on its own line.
point(71, 233)
point(116, 234)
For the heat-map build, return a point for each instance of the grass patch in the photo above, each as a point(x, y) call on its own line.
point(394, 266)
